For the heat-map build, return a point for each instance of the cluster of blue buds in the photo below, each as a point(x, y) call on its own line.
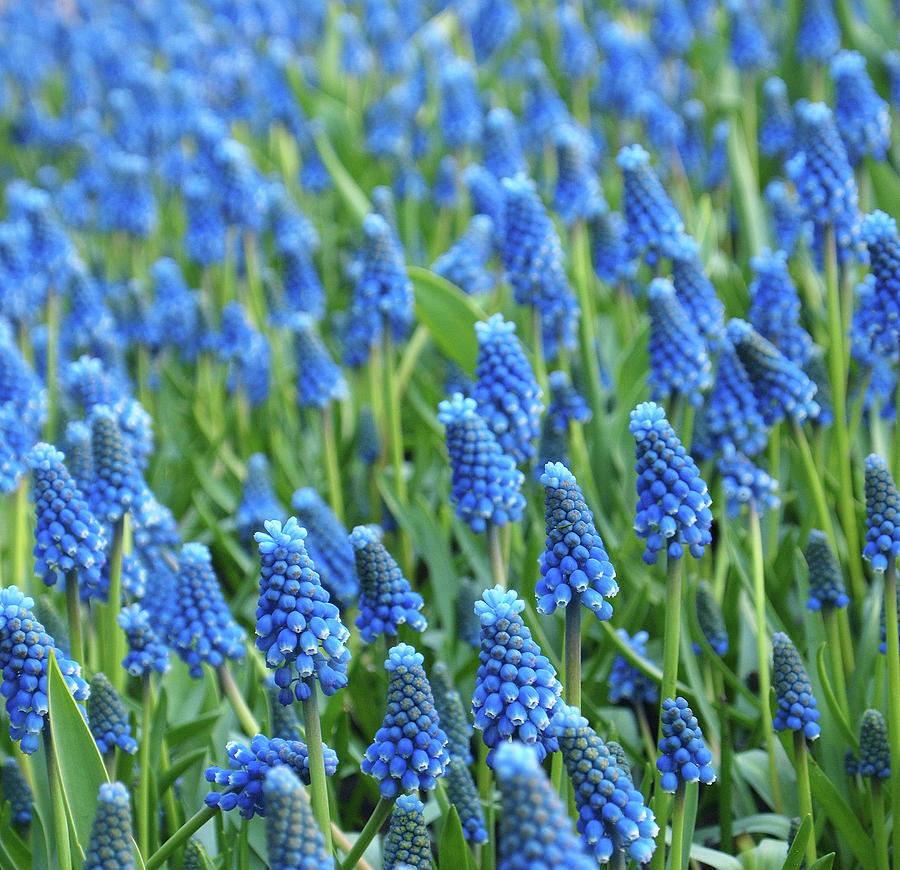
point(609, 249)
point(749, 46)
point(448, 703)
point(882, 515)
point(535, 832)
point(293, 837)
point(506, 390)
point(445, 190)
point(461, 113)
point(516, 686)
point(202, 628)
point(463, 794)
point(776, 132)
point(566, 403)
point(486, 482)
point(685, 757)
point(25, 649)
point(626, 682)
point(407, 842)
point(577, 186)
point(819, 33)
point(465, 263)
point(862, 116)
point(68, 536)
point(673, 500)
point(320, 380)
point(108, 718)
point(386, 599)
point(793, 690)
point(247, 768)
point(328, 544)
point(297, 627)
point(711, 621)
point(881, 306)
point(788, 216)
point(874, 748)
point(501, 145)
point(826, 586)
point(258, 500)
point(746, 484)
point(410, 748)
point(146, 652)
point(118, 484)
point(612, 813)
point(574, 564)
point(110, 842)
point(696, 291)
point(15, 789)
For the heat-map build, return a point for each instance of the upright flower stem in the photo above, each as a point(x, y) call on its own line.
point(495, 551)
point(58, 805)
point(144, 815)
point(676, 854)
point(113, 647)
point(804, 794)
point(814, 479)
point(317, 780)
point(573, 651)
point(373, 826)
point(236, 699)
point(879, 832)
point(73, 611)
point(762, 649)
point(832, 633)
point(20, 573)
point(395, 436)
point(838, 373)
point(893, 681)
point(486, 794)
point(332, 467)
point(672, 628)
point(180, 837)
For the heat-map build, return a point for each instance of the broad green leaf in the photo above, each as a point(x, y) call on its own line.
point(840, 813)
point(824, 863)
point(768, 854)
point(178, 767)
point(449, 314)
point(453, 853)
point(714, 858)
point(798, 847)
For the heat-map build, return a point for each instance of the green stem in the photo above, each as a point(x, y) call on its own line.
point(893, 681)
point(573, 651)
point(726, 808)
point(814, 479)
point(20, 536)
point(180, 837)
point(373, 826)
point(73, 611)
point(114, 647)
point(332, 467)
point(676, 853)
point(393, 413)
point(236, 699)
point(144, 813)
point(318, 783)
point(804, 793)
point(672, 628)
point(774, 456)
point(58, 804)
point(879, 832)
point(762, 649)
point(495, 551)
point(834, 651)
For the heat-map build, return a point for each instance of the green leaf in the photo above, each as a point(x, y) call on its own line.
point(714, 858)
point(453, 853)
point(201, 726)
point(885, 185)
point(449, 314)
point(11, 842)
point(840, 813)
point(798, 847)
point(178, 767)
point(348, 189)
point(824, 863)
point(832, 702)
point(81, 769)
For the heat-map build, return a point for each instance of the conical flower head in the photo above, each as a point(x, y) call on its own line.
point(202, 628)
point(781, 387)
point(516, 686)
point(15, 789)
point(410, 748)
point(461, 113)
point(818, 33)
point(486, 196)
point(696, 292)
point(258, 500)
point(108, 718)
point(453, 715)
point(463, 794)
point(793, 691)
point(535, 832)
point(746, 485)
point(506, 390)
point(320, 380)
point(407, 840)
point(248, 767)
point(673, 500)
point(628, 684)
point(79, 456)
point(826, 585)
point(874, 749)
point(574, 562)
point(881, 306)
point(863, 117)
point(117, 485)
point(445, 191)
point(25, 649)
point(293, 838)
point(611, 811)
point(486, 482)
point(609, 251)
point(577, 187)
point(882, 515)
point(386, 599)
point(297, 627)
point(788, 215)
point(465, 263)
point(654, 225)
point(685, 757)
point(146, 651)
point(679, 363)
point(776, 132)
point(328, 544)
point(566, 403)
point(68, 536)
point(110, 842)
point(711, 621)
point(503, 156)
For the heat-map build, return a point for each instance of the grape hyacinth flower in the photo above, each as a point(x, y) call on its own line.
point(368, 447)
point(710, 620)
point(461, 113)
point(566, 403)
point(609, 249)
point(15, 789)
point(574, 564)
point(516, 686)
point(793, 691)
point(486, 482)
point(685, 757)
point(202, 628)
point(297, 627)
point(407, 841)
point(612, 814)
point(882, 510)
point(108, 718)
point(328, 544)
point(258, 500)
point(410, 748)
point(679, 364)
point(468, 624)
point(293, 838)
point(386, 599)
point(110, 842)
point(68, 536)
point(781, 387)
point(486, 196)
point(507, 393)
point(749, 46)
point(454, 721)
point(744, 483)
point(465, 263)
point(874, 750)
point(819, 33)
point(503, 156)
point(577, 186)
point(535, 832)
point(826, 585)
point(463, 794)
point(776, 132)
point(788, 215)
point(880, 308)
point(117, 485)
point(247, 768)
point(627, 684)
point(320, 380)
point(673, 500)
point(696, 292)
point(445, 191)
point(862, 116)
point(146, 652)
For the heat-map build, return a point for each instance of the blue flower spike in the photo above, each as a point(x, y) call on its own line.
point(463, 794)
point(627, 684)
point(258, 500)
point(108, 718)
point(407, 842)
point(110, 841)
point(684, 757)
point(711, 621)
point(146, 651)
point(410, 748)
point(874, 748)
point(826, 585)
point(882, 513)
point(293, 838)
point(797, 706)
point(15, 789)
